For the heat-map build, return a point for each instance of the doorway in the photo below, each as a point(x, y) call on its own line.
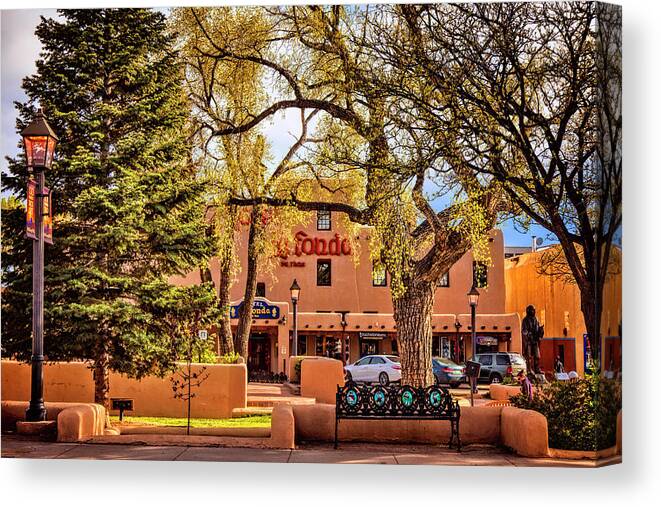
point(259, 353)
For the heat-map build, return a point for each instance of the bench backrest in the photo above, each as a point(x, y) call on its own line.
point(354, 401)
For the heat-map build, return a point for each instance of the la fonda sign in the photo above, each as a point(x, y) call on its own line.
point(314, 245)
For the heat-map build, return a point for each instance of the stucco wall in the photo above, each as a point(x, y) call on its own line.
point(320, 378)
point(317, 423)
point(558, 303)
point(225, 389)
point(75, 421)
point(352, 287)
point(525, 431)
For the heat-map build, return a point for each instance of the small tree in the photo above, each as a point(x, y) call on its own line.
point(180, 313)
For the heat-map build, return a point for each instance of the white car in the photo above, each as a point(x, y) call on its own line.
point(378, 368)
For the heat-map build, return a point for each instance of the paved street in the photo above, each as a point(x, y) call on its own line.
point(19, 447)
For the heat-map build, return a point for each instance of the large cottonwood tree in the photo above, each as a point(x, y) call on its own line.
point(320, 59)
point(532, 93)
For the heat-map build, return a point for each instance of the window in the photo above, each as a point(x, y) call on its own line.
point(302, 345)
point(377, 360)
point(323, 220)
point(324, 273)
point(479, 274)
point(444, 281)
point(260, 291)
point(503, 359)
point(486, 360)
point(379, 276)
point(435, 346)
point(363, 361)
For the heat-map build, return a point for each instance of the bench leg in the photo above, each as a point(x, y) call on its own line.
point(336, 433)
point(454, 435)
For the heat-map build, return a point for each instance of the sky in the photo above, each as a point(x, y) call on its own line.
point(20, 49)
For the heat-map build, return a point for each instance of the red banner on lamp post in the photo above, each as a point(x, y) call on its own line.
point(48, 216)
point(30, 217)
point(46, 213)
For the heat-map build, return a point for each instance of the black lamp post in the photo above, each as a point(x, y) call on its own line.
point(39, 143)
point(473, 298)
point(344, 340)
point(295, 292)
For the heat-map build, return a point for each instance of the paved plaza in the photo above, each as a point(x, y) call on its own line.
point(348, 453)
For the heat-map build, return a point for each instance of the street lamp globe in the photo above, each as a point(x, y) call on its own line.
point(294, 290)
point(39, 143)
point(473, 297)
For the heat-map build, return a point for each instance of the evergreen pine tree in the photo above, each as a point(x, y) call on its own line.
point(128, 207)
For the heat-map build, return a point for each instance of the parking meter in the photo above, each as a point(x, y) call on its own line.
point(473, 372)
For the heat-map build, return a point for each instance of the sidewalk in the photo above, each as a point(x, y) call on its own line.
point(348, 453)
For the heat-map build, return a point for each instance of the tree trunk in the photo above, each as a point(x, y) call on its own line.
point(413, 313)
point(591, 307)
point(225, 343)
point(245, 313)
point(102, 378)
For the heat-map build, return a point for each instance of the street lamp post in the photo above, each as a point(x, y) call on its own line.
point(473, 298)
point(344, 339)
point(39, 142)
point(295, 292)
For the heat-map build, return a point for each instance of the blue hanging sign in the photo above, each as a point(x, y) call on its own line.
point(261, 309)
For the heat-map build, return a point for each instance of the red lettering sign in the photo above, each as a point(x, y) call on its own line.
point(306, 245)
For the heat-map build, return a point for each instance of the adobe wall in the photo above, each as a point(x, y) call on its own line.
point(224, 389)
point(76, 422)
point(320, 378)
point(317, 423)
point(558, 303)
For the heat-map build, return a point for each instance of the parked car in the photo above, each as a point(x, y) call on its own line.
point(447, 371)
point(496, 365)
point(376, 368)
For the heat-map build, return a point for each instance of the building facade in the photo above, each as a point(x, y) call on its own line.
point(345, 311)
point(558, 307)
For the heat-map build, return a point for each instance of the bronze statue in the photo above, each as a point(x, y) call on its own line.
point(531, 333)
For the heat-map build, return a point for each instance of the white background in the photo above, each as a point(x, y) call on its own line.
point(635, 482)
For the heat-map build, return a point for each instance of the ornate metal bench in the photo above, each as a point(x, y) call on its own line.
point(364, 401)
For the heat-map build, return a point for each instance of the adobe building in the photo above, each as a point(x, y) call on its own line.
point(558, 308)
point(344, 308)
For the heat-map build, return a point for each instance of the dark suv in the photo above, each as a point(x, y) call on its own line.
point(497, 365)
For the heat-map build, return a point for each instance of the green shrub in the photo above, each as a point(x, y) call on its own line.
point(509, 380)
point(296, 377)
point(229, 358)
point(581, 414)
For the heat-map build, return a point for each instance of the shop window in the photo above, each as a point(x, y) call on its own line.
point(393, 347)
point(323, 220)
point(260, 291)
point(302, 345)
point(319, 346)
point(480, 270)
point(379, 276)
point(436, 346)
point(561, 353)
point(324, 272)
point(444, 281)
